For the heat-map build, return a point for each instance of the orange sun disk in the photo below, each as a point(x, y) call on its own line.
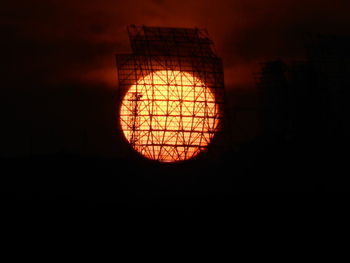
point(169, 116)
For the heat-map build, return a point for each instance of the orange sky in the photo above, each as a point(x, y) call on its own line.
point(74, 41)
point(59, 85)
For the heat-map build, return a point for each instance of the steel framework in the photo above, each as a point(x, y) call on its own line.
point(171, 91)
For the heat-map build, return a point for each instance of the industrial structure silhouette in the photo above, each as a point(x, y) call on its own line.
point(303, 134)
point(171, 92)
point(308, 99)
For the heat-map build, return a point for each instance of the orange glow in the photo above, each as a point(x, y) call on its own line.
point(169, 116)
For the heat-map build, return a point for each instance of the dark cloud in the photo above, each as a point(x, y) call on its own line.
point(77, 39)
point(53, 48)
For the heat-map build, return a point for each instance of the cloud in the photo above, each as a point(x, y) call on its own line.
point(70, 40)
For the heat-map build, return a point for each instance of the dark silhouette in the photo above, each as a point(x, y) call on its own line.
point(304, 105)
point(303, 131)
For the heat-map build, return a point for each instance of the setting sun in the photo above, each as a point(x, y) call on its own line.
point(169, 116)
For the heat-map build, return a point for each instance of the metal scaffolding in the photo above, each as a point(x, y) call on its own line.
point(171, 92)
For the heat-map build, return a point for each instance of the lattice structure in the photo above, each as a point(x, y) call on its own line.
point(171, 92)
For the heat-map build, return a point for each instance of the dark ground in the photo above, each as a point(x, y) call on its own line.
point(249, 176)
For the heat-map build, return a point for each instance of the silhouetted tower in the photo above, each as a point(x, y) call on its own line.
point(133, 119)
point(274, 100)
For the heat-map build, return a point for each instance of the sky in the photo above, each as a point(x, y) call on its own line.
point(59, 83)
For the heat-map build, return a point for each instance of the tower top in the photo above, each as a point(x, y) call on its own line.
point(166, 41)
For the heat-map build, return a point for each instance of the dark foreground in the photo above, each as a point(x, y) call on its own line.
point(70, 181)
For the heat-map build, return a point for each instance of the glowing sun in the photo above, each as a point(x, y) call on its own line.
point(169, 116)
